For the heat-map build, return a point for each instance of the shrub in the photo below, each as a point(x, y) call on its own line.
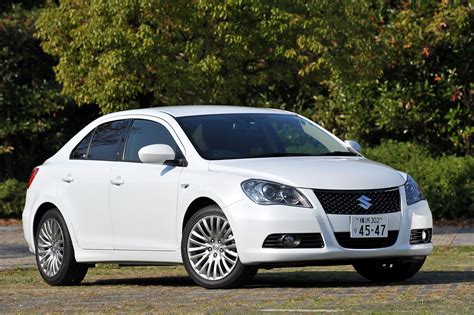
point(12, 198)
point(446, 181)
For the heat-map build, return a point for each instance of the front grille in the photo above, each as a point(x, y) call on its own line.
point(415, 236)
point(346, 201)
point(344, 239)
point(306, 240)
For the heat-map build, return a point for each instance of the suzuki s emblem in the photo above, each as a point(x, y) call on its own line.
point(364, 202)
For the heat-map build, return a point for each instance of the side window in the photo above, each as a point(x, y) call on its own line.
point(80, 151)
point(143, 133)
point(105, 144)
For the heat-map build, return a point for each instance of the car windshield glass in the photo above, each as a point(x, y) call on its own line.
point(239, 136)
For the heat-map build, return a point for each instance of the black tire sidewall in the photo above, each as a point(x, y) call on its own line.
point(238, 276)
point(402, 270)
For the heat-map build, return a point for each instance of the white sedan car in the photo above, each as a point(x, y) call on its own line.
point(225, 191)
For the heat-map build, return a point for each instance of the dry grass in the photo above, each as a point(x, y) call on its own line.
point(445, 285)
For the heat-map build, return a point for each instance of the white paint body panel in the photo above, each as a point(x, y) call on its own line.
point(144, 208)
point(86, 198)
point(341, 173)
point(141, 220)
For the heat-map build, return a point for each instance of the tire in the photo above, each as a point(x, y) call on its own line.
point(54, 270)
point(389, 270)
point(214, 262)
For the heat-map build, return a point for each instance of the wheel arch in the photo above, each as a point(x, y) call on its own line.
point(42, 209)
point(196, 205)
point(37, 212)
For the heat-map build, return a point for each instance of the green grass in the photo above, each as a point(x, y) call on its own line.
point(444, 285)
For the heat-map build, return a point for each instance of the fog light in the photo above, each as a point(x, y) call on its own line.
point(425, 236)
point(290, 241)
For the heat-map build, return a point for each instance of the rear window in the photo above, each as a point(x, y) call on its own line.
point(80, 151)
point(105, 143)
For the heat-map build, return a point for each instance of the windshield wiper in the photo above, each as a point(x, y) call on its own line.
point(338, 153)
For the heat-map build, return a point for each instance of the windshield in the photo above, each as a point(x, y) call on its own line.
point(240, 136)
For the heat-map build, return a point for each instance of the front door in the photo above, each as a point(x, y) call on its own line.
point(143, 197)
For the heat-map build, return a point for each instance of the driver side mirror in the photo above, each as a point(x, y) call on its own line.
point(157, 154)
point(354, 145)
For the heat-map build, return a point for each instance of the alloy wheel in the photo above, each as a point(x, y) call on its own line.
point(50, 247)
point(211, 248)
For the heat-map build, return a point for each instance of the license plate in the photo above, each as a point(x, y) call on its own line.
point(369, 226)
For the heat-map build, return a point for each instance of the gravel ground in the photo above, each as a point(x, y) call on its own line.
point(14, 252)
point(444, 285)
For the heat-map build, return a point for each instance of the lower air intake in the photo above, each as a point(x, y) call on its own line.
point(344, 239)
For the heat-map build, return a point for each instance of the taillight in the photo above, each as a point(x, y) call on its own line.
point(32, 177)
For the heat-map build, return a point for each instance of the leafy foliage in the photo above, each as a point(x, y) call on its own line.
point(147, 52)
point(370, 70)
point(35, 118)
point(7, 5)
point(425, 90)
point(446, 181)
point(12, 198)
point(29, 97)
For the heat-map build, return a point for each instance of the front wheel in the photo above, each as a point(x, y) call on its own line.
point(209, 251)
point(392, 270)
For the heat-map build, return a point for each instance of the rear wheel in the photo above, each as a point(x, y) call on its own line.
point(54, 252)
point(389, 270)
point(209, 251)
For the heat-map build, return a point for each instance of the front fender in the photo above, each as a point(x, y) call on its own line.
point(223, 189)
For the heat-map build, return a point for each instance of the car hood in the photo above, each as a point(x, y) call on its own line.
point(338, 173)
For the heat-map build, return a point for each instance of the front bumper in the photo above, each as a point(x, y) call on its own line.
point(252, 223)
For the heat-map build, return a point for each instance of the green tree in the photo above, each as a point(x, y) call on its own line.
point(149, 52)
point(7, 5)
point(370, 70)
point(35, 119)
point(424, 92)
point(29, 97)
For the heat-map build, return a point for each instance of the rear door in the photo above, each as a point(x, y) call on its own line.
point(143, 197)
point(85, 183)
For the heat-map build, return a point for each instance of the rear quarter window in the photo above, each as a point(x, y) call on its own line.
point(103, 143)
point(80, 151)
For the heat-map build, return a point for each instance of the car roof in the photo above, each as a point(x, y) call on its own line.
point(196, 110)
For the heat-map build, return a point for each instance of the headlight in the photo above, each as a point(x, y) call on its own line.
point(269, 193)
point(413, 191)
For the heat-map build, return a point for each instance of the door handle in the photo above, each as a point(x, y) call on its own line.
point(68, 178)
point(117, 181)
